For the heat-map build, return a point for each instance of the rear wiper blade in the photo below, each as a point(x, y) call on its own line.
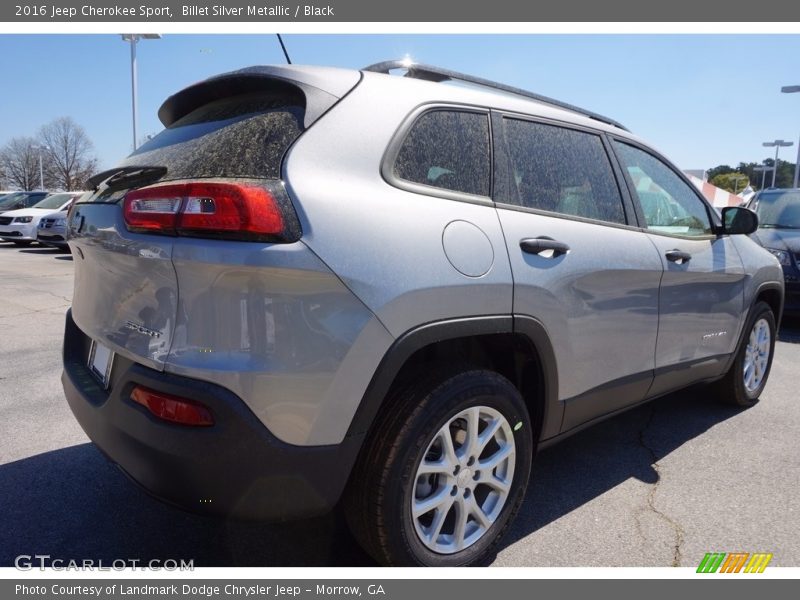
point(125, 175)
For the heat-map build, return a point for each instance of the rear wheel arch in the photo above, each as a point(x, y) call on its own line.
point(516, 347)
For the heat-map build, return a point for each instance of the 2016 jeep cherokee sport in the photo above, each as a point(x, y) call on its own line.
point(319, 285)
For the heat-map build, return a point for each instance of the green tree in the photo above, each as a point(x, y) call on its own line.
point(783, 179)
point(719, 170)
point(732, 181)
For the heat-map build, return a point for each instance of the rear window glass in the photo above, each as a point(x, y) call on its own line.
point(448, 150)
point(563, 171)
point(240, 136)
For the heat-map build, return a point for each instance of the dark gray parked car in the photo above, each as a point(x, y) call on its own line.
point(779, 232)
point(321, 285)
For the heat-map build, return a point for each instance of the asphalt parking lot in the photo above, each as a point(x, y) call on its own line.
point(660, 485)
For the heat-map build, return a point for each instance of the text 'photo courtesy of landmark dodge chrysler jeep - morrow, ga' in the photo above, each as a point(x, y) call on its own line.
point(321, 285)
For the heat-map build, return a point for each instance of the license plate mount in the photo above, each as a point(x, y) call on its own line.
point(100, 362)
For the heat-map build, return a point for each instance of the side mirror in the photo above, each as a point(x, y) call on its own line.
point(738, 220)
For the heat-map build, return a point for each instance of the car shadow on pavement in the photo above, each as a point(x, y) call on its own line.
point(594, 461)
point(73, 504)
point(43, 251)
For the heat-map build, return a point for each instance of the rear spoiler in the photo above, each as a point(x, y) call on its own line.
point(322, 87)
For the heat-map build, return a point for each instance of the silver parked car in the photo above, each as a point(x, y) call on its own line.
point(53, 226)
point(321, 285)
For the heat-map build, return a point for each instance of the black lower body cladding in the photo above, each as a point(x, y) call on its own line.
point(234, 468)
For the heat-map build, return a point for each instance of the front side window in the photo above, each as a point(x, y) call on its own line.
point(670, 205)
point(562, 170)
point(447, 149)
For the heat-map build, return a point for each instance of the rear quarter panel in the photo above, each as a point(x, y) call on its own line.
point(386, 244)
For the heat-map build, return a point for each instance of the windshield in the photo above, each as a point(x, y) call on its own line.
point(55, 201)
point(780, 210)
point(11, 199)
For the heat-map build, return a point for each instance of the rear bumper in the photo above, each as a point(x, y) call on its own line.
point(235, 467)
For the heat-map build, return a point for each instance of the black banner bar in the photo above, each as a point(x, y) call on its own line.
point(441, 11)
point(388, 589)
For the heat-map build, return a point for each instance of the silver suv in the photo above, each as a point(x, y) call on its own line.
point(321, 285)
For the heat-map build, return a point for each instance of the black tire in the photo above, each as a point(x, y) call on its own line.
point(22, 243)
point(381, 489)
point(731, 389)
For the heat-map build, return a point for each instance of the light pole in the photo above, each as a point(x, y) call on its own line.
point(791, 89)
point(736, 181)
point(778, 145)
point(763, 169)
point(41, 170)
point(133, 39)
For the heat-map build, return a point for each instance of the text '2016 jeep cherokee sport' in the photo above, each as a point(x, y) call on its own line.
point(320, 284)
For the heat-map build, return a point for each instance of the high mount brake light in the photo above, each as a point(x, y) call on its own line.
point(212, 209)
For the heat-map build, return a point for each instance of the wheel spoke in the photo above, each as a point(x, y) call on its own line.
point(460, 531)
point(498, 484)
point(447, 461)
point(437, 468)
point(426, 505)
point(477, 512)
point(473, 424)
point(448, 450)
point(498, 457)
point(439, 518)
point(490, 431)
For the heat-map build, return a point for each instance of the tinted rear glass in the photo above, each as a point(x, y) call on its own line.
point(563, 171)
point(447, 149)
point(240, 136)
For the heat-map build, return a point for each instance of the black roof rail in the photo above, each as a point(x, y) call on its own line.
point(438, 74)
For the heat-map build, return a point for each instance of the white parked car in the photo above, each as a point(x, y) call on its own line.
point(20, 226)
point(53, 227)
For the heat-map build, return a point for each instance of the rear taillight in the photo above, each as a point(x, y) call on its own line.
point(213, 209)
point(173, 408)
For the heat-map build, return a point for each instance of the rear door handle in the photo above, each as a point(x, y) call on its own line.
point(679, 257)
point(543, 244)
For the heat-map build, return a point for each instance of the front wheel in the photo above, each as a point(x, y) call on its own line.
point(443, 472)
point(748, 375)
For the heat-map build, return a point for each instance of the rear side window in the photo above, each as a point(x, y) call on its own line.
point(240, 136)
point(562, 170)
point(447, 149)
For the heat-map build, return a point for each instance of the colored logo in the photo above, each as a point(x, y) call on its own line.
point(734, 562)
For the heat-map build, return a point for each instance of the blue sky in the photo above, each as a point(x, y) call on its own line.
point(701, 99)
